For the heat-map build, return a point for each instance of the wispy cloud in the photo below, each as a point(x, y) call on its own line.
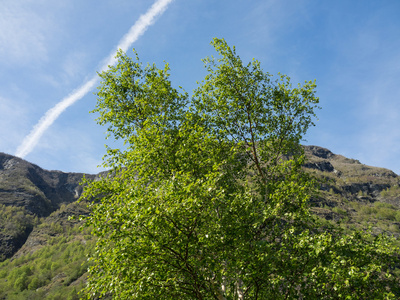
point(24, 33)
point(12, 121)
point(138, 29)
point(31, 140)
point(379, 136)
point(363, 96)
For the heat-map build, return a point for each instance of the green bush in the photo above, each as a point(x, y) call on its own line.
point(394, 228)
point(383, 205)
point(386, 214)
point(34, 284)
point(15, 221)
point(368, 210)
point(393, 191)
point(339, 210)
point(21, 283)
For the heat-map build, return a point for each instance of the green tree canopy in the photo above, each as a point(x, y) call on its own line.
point(209, 200)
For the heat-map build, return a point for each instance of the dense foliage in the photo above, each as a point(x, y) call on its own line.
point(15, 220)
point(210, 201)
point(51, 272)
point(15, 223)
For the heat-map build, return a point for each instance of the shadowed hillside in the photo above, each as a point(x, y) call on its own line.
point(28, 193)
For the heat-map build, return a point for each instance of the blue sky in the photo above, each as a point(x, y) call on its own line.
point(352, 48)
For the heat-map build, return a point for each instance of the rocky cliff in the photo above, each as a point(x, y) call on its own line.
point(357, 194)
point(28, 192)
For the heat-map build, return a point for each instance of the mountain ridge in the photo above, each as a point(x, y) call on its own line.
point(40, 191)
point(32, 192)
point(36, 231)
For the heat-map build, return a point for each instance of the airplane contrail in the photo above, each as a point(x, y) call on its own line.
point(139, 28)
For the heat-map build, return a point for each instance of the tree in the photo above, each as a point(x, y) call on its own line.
point(209, 200)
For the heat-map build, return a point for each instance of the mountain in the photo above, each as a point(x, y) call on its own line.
point(27, 193)
point(39, 191)
point(44, 251)
point(356, 194)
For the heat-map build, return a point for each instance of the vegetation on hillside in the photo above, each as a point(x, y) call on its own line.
point(52, 265)
point(15, 224)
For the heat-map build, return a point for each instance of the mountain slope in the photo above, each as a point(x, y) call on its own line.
point(47, 250)
point(27, 193)
point(356, 194)
point(39, 191)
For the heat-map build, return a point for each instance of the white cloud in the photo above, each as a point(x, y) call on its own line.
point(31, 140)
point(75, 63)
point(12, 123)
point(69, 146)
point(361, 86)
point(24, 33)
point(140, 26)
point(269, 22)
point(378, 120)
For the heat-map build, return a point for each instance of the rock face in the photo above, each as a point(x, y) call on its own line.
point(39, 191)
point(348, 177)
point(319, 152)
point(35, 192)
point(324, 166)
